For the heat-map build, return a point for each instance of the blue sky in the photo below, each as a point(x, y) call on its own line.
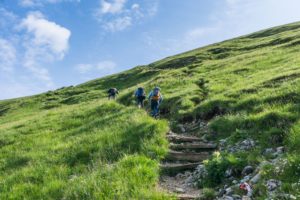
point(47, 44)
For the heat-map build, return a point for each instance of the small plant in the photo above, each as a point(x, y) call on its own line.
point(216, 167)
point(208, 194)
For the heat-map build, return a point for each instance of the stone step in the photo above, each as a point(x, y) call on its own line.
point(181, 138)
point(194, 146)
point(187, 197)
point(174, 168)
point(187, 156)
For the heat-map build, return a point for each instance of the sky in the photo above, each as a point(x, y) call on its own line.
point(48, 44)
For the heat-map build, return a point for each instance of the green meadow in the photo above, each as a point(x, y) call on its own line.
point(72, 143)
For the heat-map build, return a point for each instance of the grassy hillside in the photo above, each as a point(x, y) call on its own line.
point(73, 144)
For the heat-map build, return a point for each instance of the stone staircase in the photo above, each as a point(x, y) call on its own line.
point(185, 154)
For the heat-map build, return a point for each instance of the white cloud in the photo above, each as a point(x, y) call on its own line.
point(34, 3)
point(106, 65)
point(102, 68)
point(117, 15)
point(116, 6)
point(135, 6)
point(45, 42)
point(84, 68)
point(28, 47)
point(118, 24)
point(7, 56)
point(47, 33)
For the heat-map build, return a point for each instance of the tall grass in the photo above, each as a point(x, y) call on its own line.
point(100, 150)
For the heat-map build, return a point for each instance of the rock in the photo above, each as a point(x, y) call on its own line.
point(234, 182)
point(204, 138)
point(255, 179)
point(179, 190)
point(246, 198)
point(228, 173)
point(199, 175)
point(179, 175)
point(181, 127)
point(221, 192)
point(227, 198)
point(268, 151)
point(247, 170)
point(229, 191)
point(280, 150)
point(284, 196)
point(245, 145)
point(245, 179)
point(236, 197)
point(273, 184)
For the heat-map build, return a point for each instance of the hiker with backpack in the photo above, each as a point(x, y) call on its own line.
point(112, 93)
point(140, 96)
point(155, 99)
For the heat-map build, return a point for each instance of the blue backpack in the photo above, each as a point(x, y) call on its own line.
point(140, 92)
point(156, 94)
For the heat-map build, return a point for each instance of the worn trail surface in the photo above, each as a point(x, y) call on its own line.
point(185, 154)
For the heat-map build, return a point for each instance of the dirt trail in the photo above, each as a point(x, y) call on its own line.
point(185, 154)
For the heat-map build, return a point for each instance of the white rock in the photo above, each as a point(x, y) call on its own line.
point(229, 191)
point(273, 184)
point(179, 190)
point(255, 179)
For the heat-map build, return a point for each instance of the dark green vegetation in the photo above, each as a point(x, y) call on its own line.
point(72, 144)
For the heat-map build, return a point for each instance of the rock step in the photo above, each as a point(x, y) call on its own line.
point(187, 156)
point(187, 197)
point(174, 168)
point(180, 138)
point(198, 145)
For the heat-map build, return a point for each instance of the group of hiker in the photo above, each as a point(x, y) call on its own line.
point(155, 98)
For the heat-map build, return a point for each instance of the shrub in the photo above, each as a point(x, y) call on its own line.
point(217, 166)
point(208, 194)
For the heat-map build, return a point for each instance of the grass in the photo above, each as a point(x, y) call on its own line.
point(92, 151)
point(248, 87)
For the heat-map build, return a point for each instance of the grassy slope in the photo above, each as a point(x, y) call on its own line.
point(246, 87)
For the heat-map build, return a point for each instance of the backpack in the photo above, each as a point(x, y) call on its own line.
point(141, 92)
point(112, 91)
point(156, 94)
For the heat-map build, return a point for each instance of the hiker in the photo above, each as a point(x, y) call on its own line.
point(112, 93)
point(140, 96)
point(155, 99)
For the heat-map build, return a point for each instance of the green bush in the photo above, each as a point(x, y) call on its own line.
point(217, 166)
point(208, 194)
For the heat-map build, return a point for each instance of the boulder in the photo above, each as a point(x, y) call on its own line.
point(229, 191)
point(247, 170)
point(268, 151)
point(273, 184)
point(256, 179)
point(280, 150)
